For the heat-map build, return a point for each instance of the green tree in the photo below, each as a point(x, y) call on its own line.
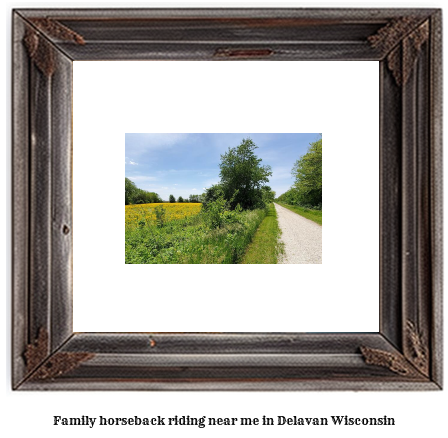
point(157, 198)
point(134, 195)
point(243, 177)
point(307, 172)
point(289, 197)
point(172, 198)
point(194, 198)
point(268, 195)
point(212, 194)
point(180, 199)
point(130, 191)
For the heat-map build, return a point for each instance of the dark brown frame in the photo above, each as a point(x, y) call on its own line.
point(406, 354)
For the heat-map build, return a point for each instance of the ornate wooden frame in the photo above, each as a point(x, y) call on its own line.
point(406, 354)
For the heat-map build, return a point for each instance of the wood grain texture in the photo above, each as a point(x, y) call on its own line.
point(436, 195)
point(225, 343)
point(416, 228)
point(20, 201)
point(406, 354)
point(40, 200)
point(362, 15)
point(61, 201)
point(245, 383)
point(205, 51)
point(391, 236)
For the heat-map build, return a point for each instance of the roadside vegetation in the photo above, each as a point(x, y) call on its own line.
point(217, 229)
point(215, 235)
point(266, 247)
point(305, 196)
point(309, 213)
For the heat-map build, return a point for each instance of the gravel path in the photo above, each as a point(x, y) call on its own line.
point(302, 238)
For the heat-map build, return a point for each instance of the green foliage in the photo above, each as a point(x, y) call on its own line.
point(217, 213)
point(212, 194)
point(134, 195)
point(214, 211)
point(266, 246)
point(243, 177)
point(130, 190)
point(192, 240)
point(290, 197)
point(307, 172)
point(180, 199)
point(160, 212)
point(172, 198)
point(312, 214)
point(194, 198)
point(268, 195)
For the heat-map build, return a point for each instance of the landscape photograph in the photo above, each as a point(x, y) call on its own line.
point(223, 198)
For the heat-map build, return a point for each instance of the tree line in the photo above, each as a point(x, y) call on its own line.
point(191, 198)
point(135, 195)
point(307, 172)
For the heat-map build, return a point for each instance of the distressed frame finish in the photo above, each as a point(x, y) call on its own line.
point(406, 354)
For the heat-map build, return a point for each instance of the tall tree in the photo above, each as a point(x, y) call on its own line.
point(307, 172)
point(172, 198)
point(243, 177)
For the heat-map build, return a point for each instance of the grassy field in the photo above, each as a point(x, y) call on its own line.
point(174, 233)
point(314, 215)
point(265, 247)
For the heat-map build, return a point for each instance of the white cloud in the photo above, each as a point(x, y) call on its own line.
point(133, 163)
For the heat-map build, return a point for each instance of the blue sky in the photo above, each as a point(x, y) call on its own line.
point(184, 164)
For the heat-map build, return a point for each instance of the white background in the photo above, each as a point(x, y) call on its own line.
point(417, 414)
point(340, 295)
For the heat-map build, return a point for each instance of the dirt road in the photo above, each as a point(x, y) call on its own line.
point(302, 238)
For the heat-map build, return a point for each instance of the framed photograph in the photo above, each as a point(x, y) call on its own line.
point(177, 345)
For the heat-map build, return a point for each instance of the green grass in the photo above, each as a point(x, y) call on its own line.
point(192, 240)
point(265, 246)
point(313, 215)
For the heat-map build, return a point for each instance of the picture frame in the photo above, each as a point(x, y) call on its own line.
point(406, 353)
